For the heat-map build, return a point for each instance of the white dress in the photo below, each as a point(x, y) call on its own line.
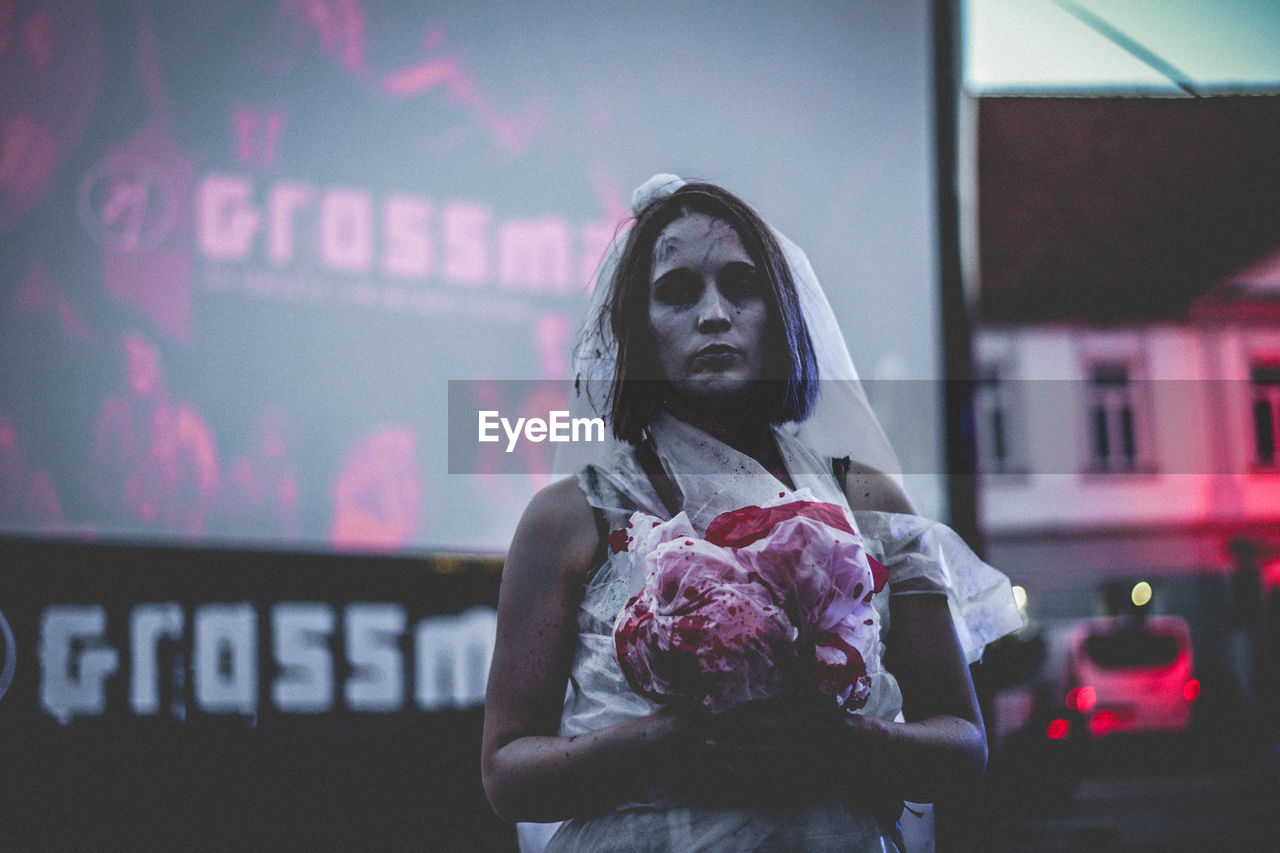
point(922, 557)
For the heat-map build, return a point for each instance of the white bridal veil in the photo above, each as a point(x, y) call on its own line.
point(842, 422)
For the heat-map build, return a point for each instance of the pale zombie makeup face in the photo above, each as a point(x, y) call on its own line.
point(708, 309)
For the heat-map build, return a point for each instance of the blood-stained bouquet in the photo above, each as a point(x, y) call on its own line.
point(774, 597)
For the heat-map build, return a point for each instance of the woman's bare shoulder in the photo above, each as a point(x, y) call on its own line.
point(562, 505)
point(869, 489)
point(557, 529)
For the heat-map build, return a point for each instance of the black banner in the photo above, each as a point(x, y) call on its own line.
point(215, 699)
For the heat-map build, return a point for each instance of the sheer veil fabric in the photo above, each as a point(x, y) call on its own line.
point(842, 422)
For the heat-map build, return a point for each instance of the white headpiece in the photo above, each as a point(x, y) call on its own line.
point(841, 423)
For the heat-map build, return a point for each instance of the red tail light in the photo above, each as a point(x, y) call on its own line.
point(1082, 699)
point(1109, 720)
point(1191, 690)
point(1058, 729)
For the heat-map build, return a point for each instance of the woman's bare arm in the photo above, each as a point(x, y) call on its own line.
point(942, 748)
point(943, 745)
point(529, 772)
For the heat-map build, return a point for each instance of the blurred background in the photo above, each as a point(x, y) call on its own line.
point(1118, 170)
point(245, 247)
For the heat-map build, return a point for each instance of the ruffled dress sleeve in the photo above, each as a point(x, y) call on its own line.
point(925, 557)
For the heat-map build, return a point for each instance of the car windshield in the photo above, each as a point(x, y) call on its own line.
point(1131, 648)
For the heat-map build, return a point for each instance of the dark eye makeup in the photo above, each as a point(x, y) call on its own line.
point(681, 287)
point(738, 280)
point(678, 287)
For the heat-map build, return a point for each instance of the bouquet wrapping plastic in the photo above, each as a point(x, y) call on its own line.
point(774, 597)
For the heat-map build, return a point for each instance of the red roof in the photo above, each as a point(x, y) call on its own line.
point(1119, 210)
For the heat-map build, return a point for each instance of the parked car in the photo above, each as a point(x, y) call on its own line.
point(1129, 674)
point(1062, 687)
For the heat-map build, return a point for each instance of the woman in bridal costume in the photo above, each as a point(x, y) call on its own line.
point(707, 338)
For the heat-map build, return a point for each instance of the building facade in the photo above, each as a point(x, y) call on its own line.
point(1125, 273)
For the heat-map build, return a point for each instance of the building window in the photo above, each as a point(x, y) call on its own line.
point(1266, 411)
point(1113, 418)
point(991, 406)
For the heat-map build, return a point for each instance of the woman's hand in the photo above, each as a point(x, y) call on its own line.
point(798, 747)
point(790, 749)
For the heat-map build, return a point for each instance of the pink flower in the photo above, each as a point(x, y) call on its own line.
point(706, 639)
point(774, 596)
point(840, 670)
point(740, 527)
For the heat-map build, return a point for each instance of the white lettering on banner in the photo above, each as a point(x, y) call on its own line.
point(10, 655)
point(373, 650)
point(450, 658)
point(286, 200)
point(407, 244)
point(226, 216)
point(148, 623)
point(348, 230)
point(465, 235)
point(535, 255)
point(453, 654)
point(225, 658)
point(300, 645)
point(74, 661)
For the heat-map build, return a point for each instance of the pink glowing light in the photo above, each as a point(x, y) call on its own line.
point(27, 152)
point(447, 76)
point(27, 495)
point(378, 500)
point(1109, 720)
point(553, 334)
point(50, 76)
point(339, 26)
point(137, 205)
point(141, 365)
point(157, 283)
point(422, 77)
point(263, 488)
point(38, 39)
point(155, 463)
point(1082, 699)
point(610, 196)
point(257, 134)
point(41, 294)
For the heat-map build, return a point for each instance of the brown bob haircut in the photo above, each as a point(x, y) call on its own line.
point(790, 385)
